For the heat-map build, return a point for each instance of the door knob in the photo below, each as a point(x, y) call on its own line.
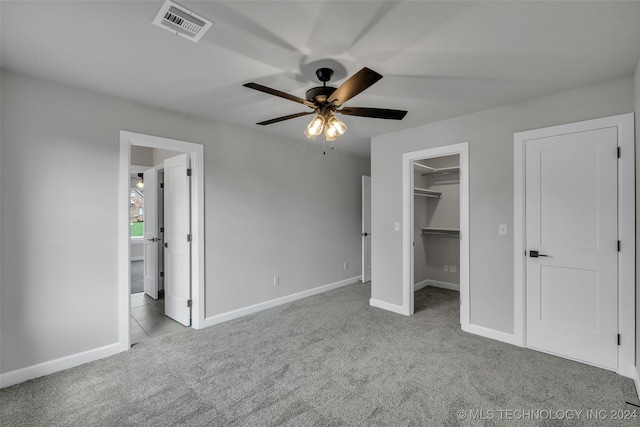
point(536, 254)
point(155, 239)
point(365, 234)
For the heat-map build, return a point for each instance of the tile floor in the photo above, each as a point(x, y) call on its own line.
point(148, 319)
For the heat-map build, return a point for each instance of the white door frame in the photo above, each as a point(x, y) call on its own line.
point(127, 139)
point(626, 229)
point(461, 149)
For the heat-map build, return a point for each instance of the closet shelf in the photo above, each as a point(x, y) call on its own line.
point(441, 171)
point(453, 232)
point(427, 193)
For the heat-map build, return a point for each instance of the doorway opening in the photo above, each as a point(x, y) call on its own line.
point(150, 316)
point(436, 223)
point(436, 228)
point(177, 256)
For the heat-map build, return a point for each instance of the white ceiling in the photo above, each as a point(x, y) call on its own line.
point(439, 59)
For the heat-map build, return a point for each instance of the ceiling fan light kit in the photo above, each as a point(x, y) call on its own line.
point(315, 127)
point(334, 128)
point(326, 101)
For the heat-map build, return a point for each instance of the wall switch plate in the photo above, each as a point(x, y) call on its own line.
point(396, 226)
point(276, 280)
point(445, 268)
point(346, 265)
point(502, 229)
point(453, 269)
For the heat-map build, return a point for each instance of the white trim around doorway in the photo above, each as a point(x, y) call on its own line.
point(196, 151)
point(626, 229)
point(461, 149)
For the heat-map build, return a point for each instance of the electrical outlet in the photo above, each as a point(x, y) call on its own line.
point(276, 280)
point(396, 226)
point(346, 265)
point(453, 268)
point(446, 268)
point(502, 229)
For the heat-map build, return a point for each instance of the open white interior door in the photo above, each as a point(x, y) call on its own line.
point(366, 228)
point(177, 238)
point(150, 231)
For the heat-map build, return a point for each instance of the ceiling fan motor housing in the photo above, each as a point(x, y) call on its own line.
point(320, 94)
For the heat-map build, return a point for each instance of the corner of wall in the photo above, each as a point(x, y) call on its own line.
point(637, 125)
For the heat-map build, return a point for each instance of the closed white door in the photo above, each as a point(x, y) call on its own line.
point(366, 228)
point(150, 234)
point(572, 246)
point(177, 239)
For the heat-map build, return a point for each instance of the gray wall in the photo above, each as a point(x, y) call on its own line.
point(273, 206)
point(146, 156)
point(490, 137)
point(142, 156)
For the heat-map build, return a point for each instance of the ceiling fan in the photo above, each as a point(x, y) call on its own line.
point(326, 100)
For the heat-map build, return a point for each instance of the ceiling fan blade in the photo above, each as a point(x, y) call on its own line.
point(376, 113)
point(281, 94)
point(280, 119)
point(353, 86)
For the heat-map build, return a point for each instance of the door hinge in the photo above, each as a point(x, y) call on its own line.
point(162, 229)
point(188, 172)
point(188, 237)
point(619, 244)
point(162, 185)
point(618, 339)
point(189, 303)
point(619, 150)
point(162, 274)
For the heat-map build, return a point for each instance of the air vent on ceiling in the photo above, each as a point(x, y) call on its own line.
point(179, 20)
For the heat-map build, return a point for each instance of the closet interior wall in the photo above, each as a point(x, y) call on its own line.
point(437, 254)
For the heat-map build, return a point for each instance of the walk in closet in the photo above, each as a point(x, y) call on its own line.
point(437, 222)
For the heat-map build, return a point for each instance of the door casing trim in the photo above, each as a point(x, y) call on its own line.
point(626, 229)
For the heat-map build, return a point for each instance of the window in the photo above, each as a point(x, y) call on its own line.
point(136, 212)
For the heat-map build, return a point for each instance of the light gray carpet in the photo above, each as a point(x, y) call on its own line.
point(327, 360)
point(137, 277)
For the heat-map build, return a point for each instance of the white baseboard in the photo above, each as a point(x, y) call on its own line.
point(46, 368)
point(388, 306)
point(436, 284)
point(492, 333)
point(420, 285)
point(244, 311)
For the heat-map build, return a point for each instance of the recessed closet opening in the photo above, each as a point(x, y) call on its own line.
point(436, 229)
point(436, 223)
